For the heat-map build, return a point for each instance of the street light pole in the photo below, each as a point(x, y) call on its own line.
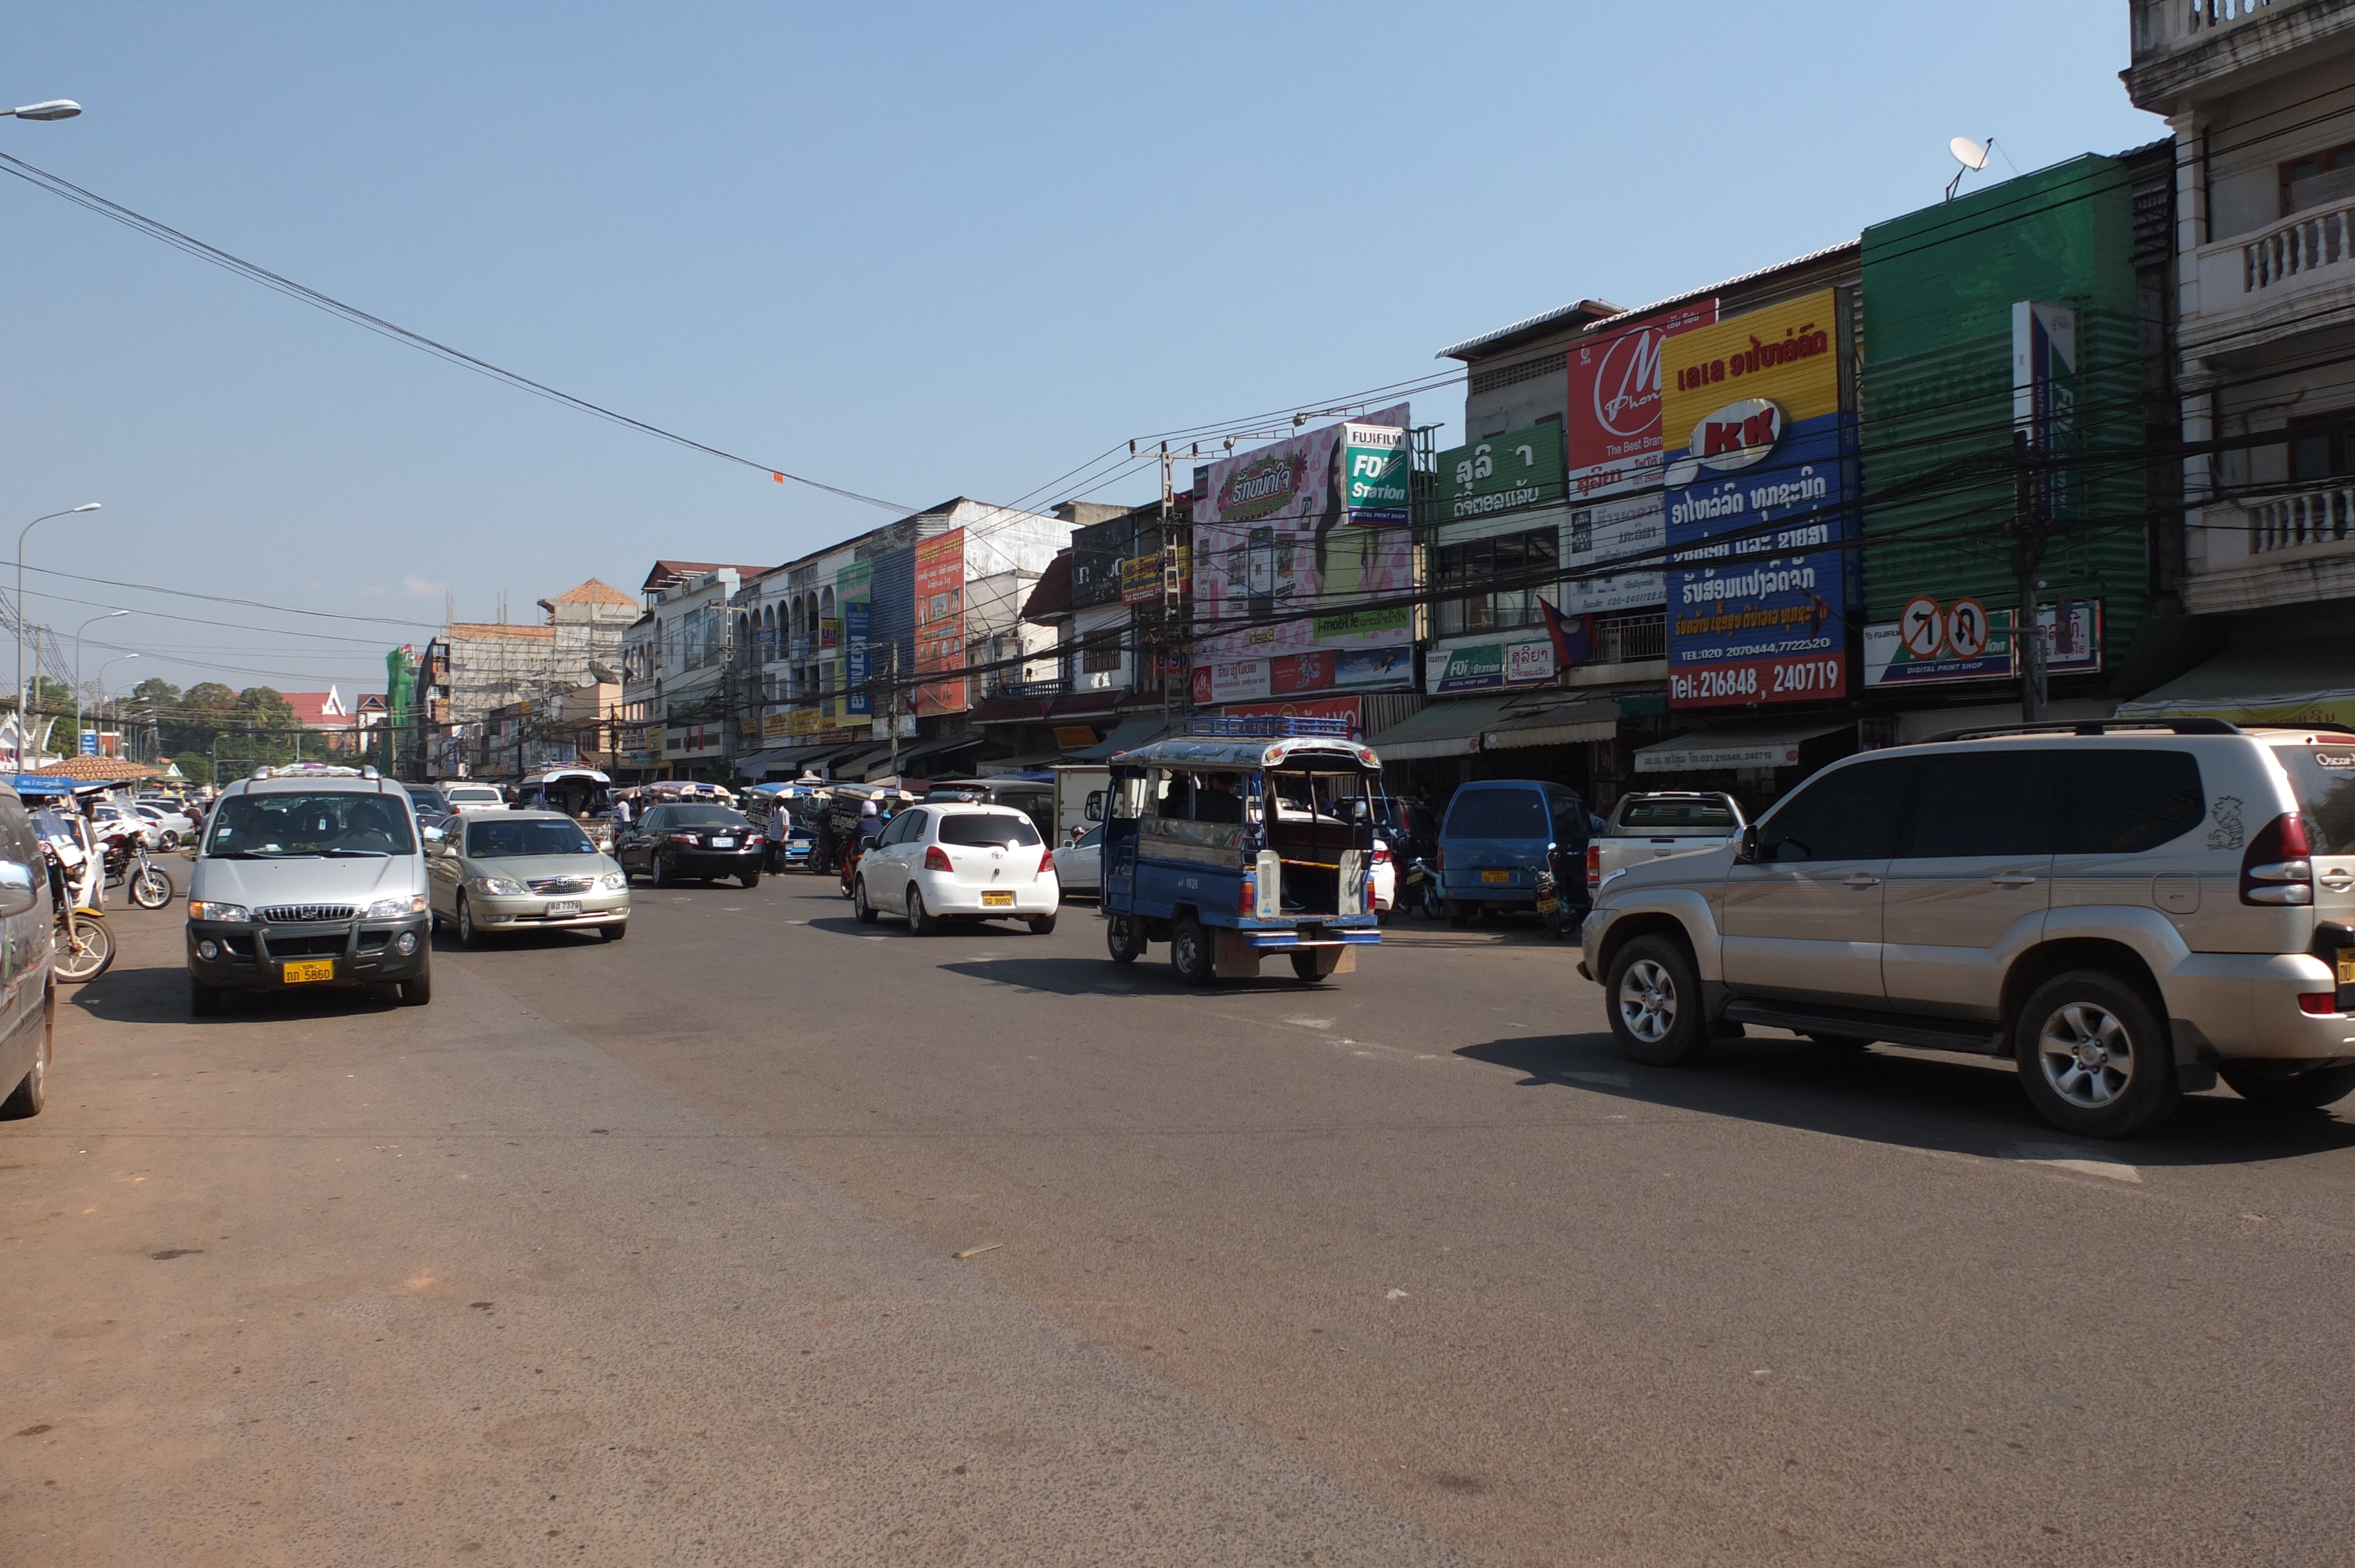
point(85, 625)
point(85, 507)
point(103, 669)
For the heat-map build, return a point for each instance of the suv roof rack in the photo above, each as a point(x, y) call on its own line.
point(2088, 726)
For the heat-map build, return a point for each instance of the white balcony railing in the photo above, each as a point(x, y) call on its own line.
point(2302, 244)
point(2323, 517)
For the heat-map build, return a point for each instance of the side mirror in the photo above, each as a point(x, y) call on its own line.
point(433, 835)
point(19, 888)
point(1746, 848)
point(1094, 811)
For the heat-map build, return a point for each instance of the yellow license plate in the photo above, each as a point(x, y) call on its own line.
point(2347, 966)
point(1496, 876)
point(997, 901)
point(1546, 905)
point(307, 971)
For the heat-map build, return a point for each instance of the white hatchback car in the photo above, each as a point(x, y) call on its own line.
point(950, 861)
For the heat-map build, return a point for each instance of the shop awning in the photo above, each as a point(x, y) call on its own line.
point(1127, 735)
point(1448, 727)
point(2288, 680)
point(1745, 743)
point(859, 766)
point(931, 751)
point(760, 762)
point(1572, 722)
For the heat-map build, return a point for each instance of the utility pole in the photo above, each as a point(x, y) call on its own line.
point(2027, 560)
point(893, 717)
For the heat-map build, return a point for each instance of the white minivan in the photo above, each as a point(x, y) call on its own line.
point(309, 876)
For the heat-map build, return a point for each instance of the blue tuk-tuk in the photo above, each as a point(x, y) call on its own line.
point(1240, 838)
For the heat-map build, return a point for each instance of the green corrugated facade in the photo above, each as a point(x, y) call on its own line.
point(1938, 289)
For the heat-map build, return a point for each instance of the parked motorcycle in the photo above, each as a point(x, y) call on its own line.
point(128, 867)
point(84, 943)
point(1418, 889)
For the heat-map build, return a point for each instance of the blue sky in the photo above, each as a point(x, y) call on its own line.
point(918, 251)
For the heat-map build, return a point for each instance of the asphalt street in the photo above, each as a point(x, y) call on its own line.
point(765, 1237)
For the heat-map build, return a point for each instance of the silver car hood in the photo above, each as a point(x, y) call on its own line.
point(314, 880)
point(532, 867)
point(1702, 868)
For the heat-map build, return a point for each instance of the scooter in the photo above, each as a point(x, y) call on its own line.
point(851, 852)
point(1418, 889)
point(127, 866)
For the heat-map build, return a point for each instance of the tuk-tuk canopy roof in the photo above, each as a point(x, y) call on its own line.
point(558, 775)
point(1250, 756)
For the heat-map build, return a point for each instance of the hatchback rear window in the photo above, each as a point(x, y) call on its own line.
point(1498, 814)
point(2323, 780)
point(975, 828)
point(1665, 814)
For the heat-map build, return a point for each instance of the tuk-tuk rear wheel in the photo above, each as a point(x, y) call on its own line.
point(1124, 938)
point(1189, 953)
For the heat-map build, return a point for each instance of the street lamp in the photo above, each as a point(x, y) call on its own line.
point(85, 625)
point(103, 669)
point(52, 108)
point(85, 507)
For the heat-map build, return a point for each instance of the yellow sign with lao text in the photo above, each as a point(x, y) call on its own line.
point(1783, 353)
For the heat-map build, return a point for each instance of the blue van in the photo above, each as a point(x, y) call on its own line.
point(1496, 839)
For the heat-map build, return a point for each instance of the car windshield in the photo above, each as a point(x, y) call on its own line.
point(1700, 815)
point(2323, 780)
point(1498, 814)
point(705, 817)
point(976, 829)
point(337, 823)
point(504, 838)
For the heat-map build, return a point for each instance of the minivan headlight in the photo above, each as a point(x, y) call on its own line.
point(612, 881)
point(394, 909)
point(198, 909)
point(497, 884)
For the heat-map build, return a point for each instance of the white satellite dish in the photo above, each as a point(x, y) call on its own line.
point(1972, 155)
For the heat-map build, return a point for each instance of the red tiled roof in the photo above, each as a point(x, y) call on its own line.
point(98, 769)
point(594, 591)
point(1052, 596)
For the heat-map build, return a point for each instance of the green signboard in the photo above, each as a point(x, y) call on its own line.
point(1510, 472)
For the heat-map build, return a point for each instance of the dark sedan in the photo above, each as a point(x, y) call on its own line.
point(692, 842)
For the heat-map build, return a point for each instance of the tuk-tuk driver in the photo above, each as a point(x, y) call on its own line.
point(1216, 800)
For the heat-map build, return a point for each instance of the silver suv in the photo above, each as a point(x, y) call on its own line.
point(2127, 910)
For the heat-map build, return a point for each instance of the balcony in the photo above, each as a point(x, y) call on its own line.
point(2325, 516)
point(2269, 550)
point(1630, 641)
point(2293, 276)
point(2188, 51)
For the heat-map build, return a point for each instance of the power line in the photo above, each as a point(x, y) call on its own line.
point(58, 185)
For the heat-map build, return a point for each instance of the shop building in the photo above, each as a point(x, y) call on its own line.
point(2014, 383)
point(2261, 101)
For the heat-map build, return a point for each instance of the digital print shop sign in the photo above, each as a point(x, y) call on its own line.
point(1759, 589)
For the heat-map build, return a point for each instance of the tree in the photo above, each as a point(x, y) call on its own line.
point(158, 693)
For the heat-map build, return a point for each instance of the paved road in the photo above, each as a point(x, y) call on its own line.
point(647, 1253)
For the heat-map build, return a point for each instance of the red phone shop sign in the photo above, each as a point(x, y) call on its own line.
point(1798, 678)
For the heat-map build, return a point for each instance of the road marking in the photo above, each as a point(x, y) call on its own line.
point(2084, 1162)
point(1311, 1023)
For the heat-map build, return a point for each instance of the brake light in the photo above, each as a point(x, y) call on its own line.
point(937, 859)
point(1046, 860)
point(1382, 855)
point(1439, 862)
point(2274, 869)
point(1594, 865)
point(682, 838)
point(2321, 1003)
point(750, 838)
point(1247, 898)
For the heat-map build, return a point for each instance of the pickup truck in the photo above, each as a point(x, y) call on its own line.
point(1655, 826)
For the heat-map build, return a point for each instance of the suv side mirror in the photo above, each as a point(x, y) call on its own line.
point(1746, 848)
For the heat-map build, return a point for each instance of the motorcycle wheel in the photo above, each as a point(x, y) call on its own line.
point(86, 952)
point(151, 887)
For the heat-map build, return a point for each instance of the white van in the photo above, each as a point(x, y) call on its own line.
point(309, 876)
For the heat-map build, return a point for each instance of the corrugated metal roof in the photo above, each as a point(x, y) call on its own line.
point(1609, 313)
point(1597, 307)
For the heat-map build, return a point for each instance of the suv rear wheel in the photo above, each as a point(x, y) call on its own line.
point(1654, 997)
point(2094, 1056)
point(2278, 1087)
